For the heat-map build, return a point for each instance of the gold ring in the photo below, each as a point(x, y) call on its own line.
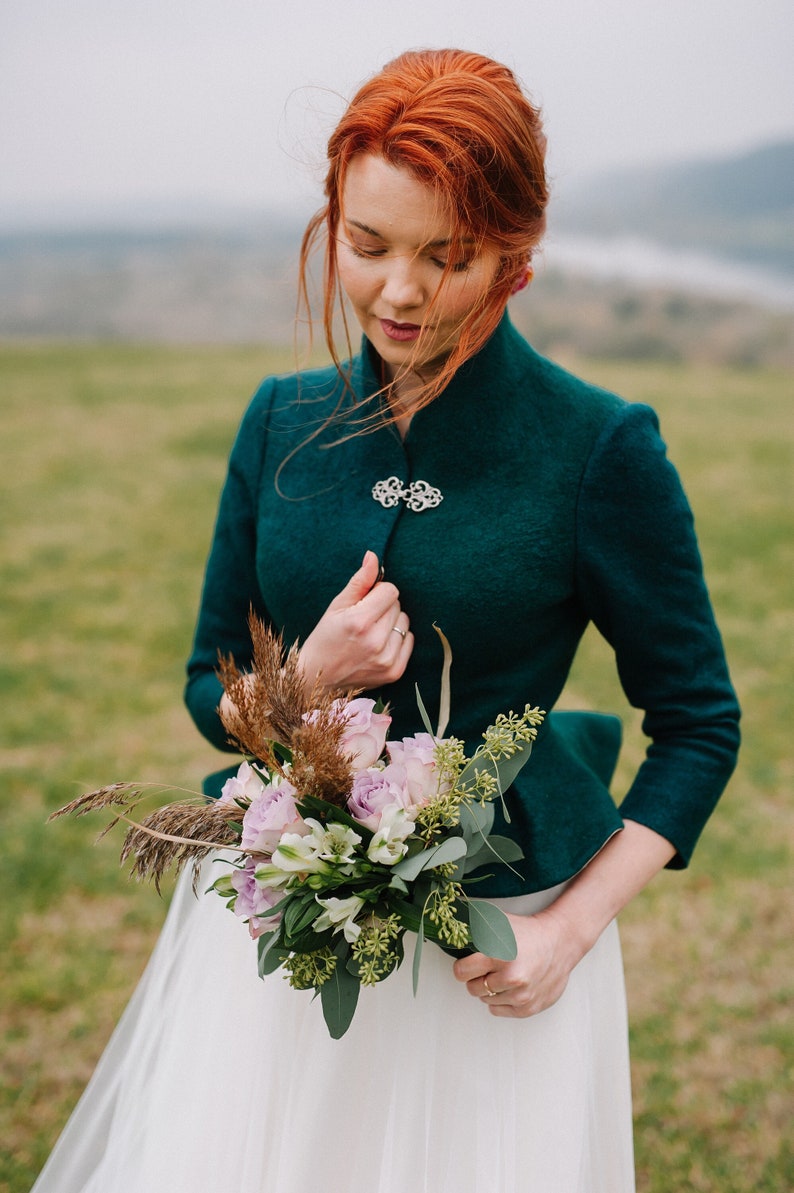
point(397, 630)
point(489, 992)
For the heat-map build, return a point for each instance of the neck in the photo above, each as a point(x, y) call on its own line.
point(404, 391)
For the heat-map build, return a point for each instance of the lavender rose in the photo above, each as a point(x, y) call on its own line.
point(374, 790)
point(254, 900)
point(272, 812)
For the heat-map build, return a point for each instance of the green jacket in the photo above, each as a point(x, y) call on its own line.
point(558, 507)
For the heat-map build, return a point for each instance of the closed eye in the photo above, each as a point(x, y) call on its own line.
point(456, 267)
point(358, 251)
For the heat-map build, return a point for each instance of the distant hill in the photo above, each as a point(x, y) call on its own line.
point(174, 273)
point(741, 207)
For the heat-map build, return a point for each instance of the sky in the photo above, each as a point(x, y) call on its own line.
point(131, 104)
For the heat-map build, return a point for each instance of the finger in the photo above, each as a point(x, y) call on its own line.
point(400, 646)
point(359, 584)
point(488, 991)
point(476, 965)
point(392, 626)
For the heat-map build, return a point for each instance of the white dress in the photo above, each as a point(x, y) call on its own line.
point(216, 1080)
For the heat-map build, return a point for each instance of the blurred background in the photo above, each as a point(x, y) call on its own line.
point(157, 163)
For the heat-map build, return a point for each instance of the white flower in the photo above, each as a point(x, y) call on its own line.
point(388, 844)
point(339, 842)
point(340, 913)
point(317, 852)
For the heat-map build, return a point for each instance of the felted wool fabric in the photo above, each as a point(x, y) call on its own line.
point(559, 507)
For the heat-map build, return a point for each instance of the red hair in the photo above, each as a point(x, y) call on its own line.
point(463, 127)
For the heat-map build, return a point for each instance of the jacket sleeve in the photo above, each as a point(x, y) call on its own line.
point(231, 587)
point(640, 579)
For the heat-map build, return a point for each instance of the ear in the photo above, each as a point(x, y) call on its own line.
point(524, 278)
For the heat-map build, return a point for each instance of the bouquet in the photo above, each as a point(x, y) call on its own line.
point(339, 840)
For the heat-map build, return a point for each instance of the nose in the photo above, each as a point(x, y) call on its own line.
point(402, 288)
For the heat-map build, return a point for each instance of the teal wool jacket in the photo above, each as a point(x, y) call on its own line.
point(558, 507)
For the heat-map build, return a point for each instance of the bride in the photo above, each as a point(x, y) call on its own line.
point(443, 473)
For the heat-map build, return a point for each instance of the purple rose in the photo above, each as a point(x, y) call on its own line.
point(272, 812)
point(374, 790)
point(254, 901)
point(418, 756)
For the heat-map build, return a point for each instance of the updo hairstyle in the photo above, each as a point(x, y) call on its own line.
point(463, 127)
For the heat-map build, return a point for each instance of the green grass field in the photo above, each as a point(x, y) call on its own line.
point(112, 458)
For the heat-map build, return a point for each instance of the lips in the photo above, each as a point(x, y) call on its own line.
point(401, 332)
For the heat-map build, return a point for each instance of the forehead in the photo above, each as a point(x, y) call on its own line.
point(391, 201)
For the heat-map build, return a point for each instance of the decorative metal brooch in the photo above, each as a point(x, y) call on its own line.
point(418, 496)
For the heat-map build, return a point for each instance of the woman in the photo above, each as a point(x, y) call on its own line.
point(446, 474)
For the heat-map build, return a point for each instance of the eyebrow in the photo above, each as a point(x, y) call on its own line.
point(442, 243)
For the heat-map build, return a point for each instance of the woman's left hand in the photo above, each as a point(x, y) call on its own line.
point(537, 977)
point(552, 942)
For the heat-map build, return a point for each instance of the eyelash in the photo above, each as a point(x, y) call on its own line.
point(370, 254)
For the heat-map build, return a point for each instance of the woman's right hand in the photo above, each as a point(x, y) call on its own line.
point(354, 644)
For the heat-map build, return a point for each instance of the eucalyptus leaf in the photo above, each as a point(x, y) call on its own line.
point(420, 940)
point(504, 770)
point(339, 996)
point(491, 933)
point(476, 819)
point(501, 849)
point(449, 850)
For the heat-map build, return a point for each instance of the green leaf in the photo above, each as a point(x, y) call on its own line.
point(504, 770)
point(299, 914)
point(448, 851)
point(410, 916)
point(397, 884)
point(420, 940)
point(491, 933)
point(339, 996)
point(500, 849)
point(282, 752)
point(269, 955)
point(423, 713)
point(476, 819)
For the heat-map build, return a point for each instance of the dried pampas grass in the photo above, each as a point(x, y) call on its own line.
point(269, 704)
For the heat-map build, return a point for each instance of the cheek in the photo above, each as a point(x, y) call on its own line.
point(355, 281)
point(461, 297)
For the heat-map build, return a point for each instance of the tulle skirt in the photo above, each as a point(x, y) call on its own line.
point(216, 1080)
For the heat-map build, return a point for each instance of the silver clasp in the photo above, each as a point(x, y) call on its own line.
point(418, 496)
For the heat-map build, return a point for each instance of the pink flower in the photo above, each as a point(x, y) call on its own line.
point(245, 785)
point(254, 901)
point(417, 756)
point(272, 812)
point(365, 732)
point(373, 791)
